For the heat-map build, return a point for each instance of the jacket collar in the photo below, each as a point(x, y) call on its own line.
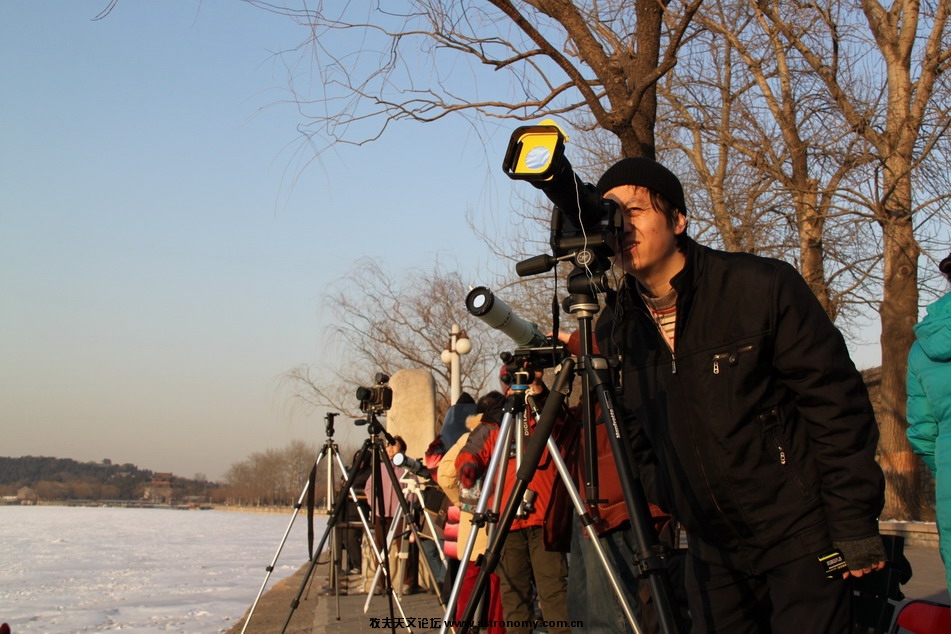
point(684, 281)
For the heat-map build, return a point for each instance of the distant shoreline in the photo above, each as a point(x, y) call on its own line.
point(253, 509)
point(175, 507)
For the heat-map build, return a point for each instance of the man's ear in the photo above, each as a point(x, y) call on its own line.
point(680, 224)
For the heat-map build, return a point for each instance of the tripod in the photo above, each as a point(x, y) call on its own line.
point(329, 449)
point(373, 448)
point(513, 420)
point(412, 486)
point(651, 554)
point(480, 518)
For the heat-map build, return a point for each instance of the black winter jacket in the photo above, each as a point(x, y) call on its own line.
point(757, 432)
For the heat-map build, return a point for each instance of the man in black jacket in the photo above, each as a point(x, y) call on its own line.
point(745, 416)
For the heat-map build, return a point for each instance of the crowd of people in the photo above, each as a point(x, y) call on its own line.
point(749, 429)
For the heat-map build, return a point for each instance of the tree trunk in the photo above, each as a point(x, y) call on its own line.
point(899, 313)
point(812, 264)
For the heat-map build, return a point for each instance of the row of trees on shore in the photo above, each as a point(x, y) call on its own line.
point(276, 477)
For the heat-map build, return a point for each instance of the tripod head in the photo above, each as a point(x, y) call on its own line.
point(330, 423)
point(374, 427)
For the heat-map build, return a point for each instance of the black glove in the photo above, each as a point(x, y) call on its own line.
point(862, 553)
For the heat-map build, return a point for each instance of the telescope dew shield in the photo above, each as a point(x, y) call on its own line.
point(534, 152)
point(482, 303)
point(413, 466)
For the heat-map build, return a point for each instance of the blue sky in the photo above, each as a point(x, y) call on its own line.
point(163, 249)
point(163, 253)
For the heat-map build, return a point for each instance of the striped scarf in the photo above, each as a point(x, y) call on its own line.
point(664, 311)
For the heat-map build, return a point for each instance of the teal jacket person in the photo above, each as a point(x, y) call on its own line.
point(929, 406)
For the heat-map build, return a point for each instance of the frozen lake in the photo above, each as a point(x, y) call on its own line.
point(74, 569)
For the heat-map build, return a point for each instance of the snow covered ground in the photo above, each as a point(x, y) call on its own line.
point(71, 569)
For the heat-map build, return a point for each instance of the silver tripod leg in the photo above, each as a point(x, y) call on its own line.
point(380, 570)
point(576, 500)
point(280, 547)
point(390, 536)
point(580, 508)
point(401, 517)
point(415, 488)
point(499, 458)
point(432, 531)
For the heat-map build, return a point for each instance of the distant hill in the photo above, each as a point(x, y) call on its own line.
point(66, 479)
point(29, 469)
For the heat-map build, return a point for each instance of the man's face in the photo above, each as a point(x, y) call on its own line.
point(648, 249)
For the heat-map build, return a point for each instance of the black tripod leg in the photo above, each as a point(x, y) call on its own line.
point(651, 556)
point(495, 471)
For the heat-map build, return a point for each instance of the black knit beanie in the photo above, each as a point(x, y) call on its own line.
point(491, 406)
point(945, 267)
point(644, 172)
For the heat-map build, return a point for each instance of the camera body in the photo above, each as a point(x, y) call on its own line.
point(378, 397)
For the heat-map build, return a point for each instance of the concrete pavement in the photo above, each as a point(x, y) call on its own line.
point(319, 613)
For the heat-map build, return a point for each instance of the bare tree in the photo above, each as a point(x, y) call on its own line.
point(818, 126)
point(385, 323)
point(274, 477)
point(901, 122)
point(751, 117)
point(558, 57)
point(778, 109)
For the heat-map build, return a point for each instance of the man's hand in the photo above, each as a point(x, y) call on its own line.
point(859, 573)
point(862, 556)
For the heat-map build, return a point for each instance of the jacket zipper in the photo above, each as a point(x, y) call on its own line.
point(693, 438)
point(731, 358)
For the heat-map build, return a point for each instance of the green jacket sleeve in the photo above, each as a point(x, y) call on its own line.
point(922, 423)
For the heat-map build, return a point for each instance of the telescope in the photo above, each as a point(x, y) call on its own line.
point(482, 303)
point(413, 466)
point(584, 226)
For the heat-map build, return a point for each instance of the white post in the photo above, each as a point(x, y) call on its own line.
point(458, 344)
